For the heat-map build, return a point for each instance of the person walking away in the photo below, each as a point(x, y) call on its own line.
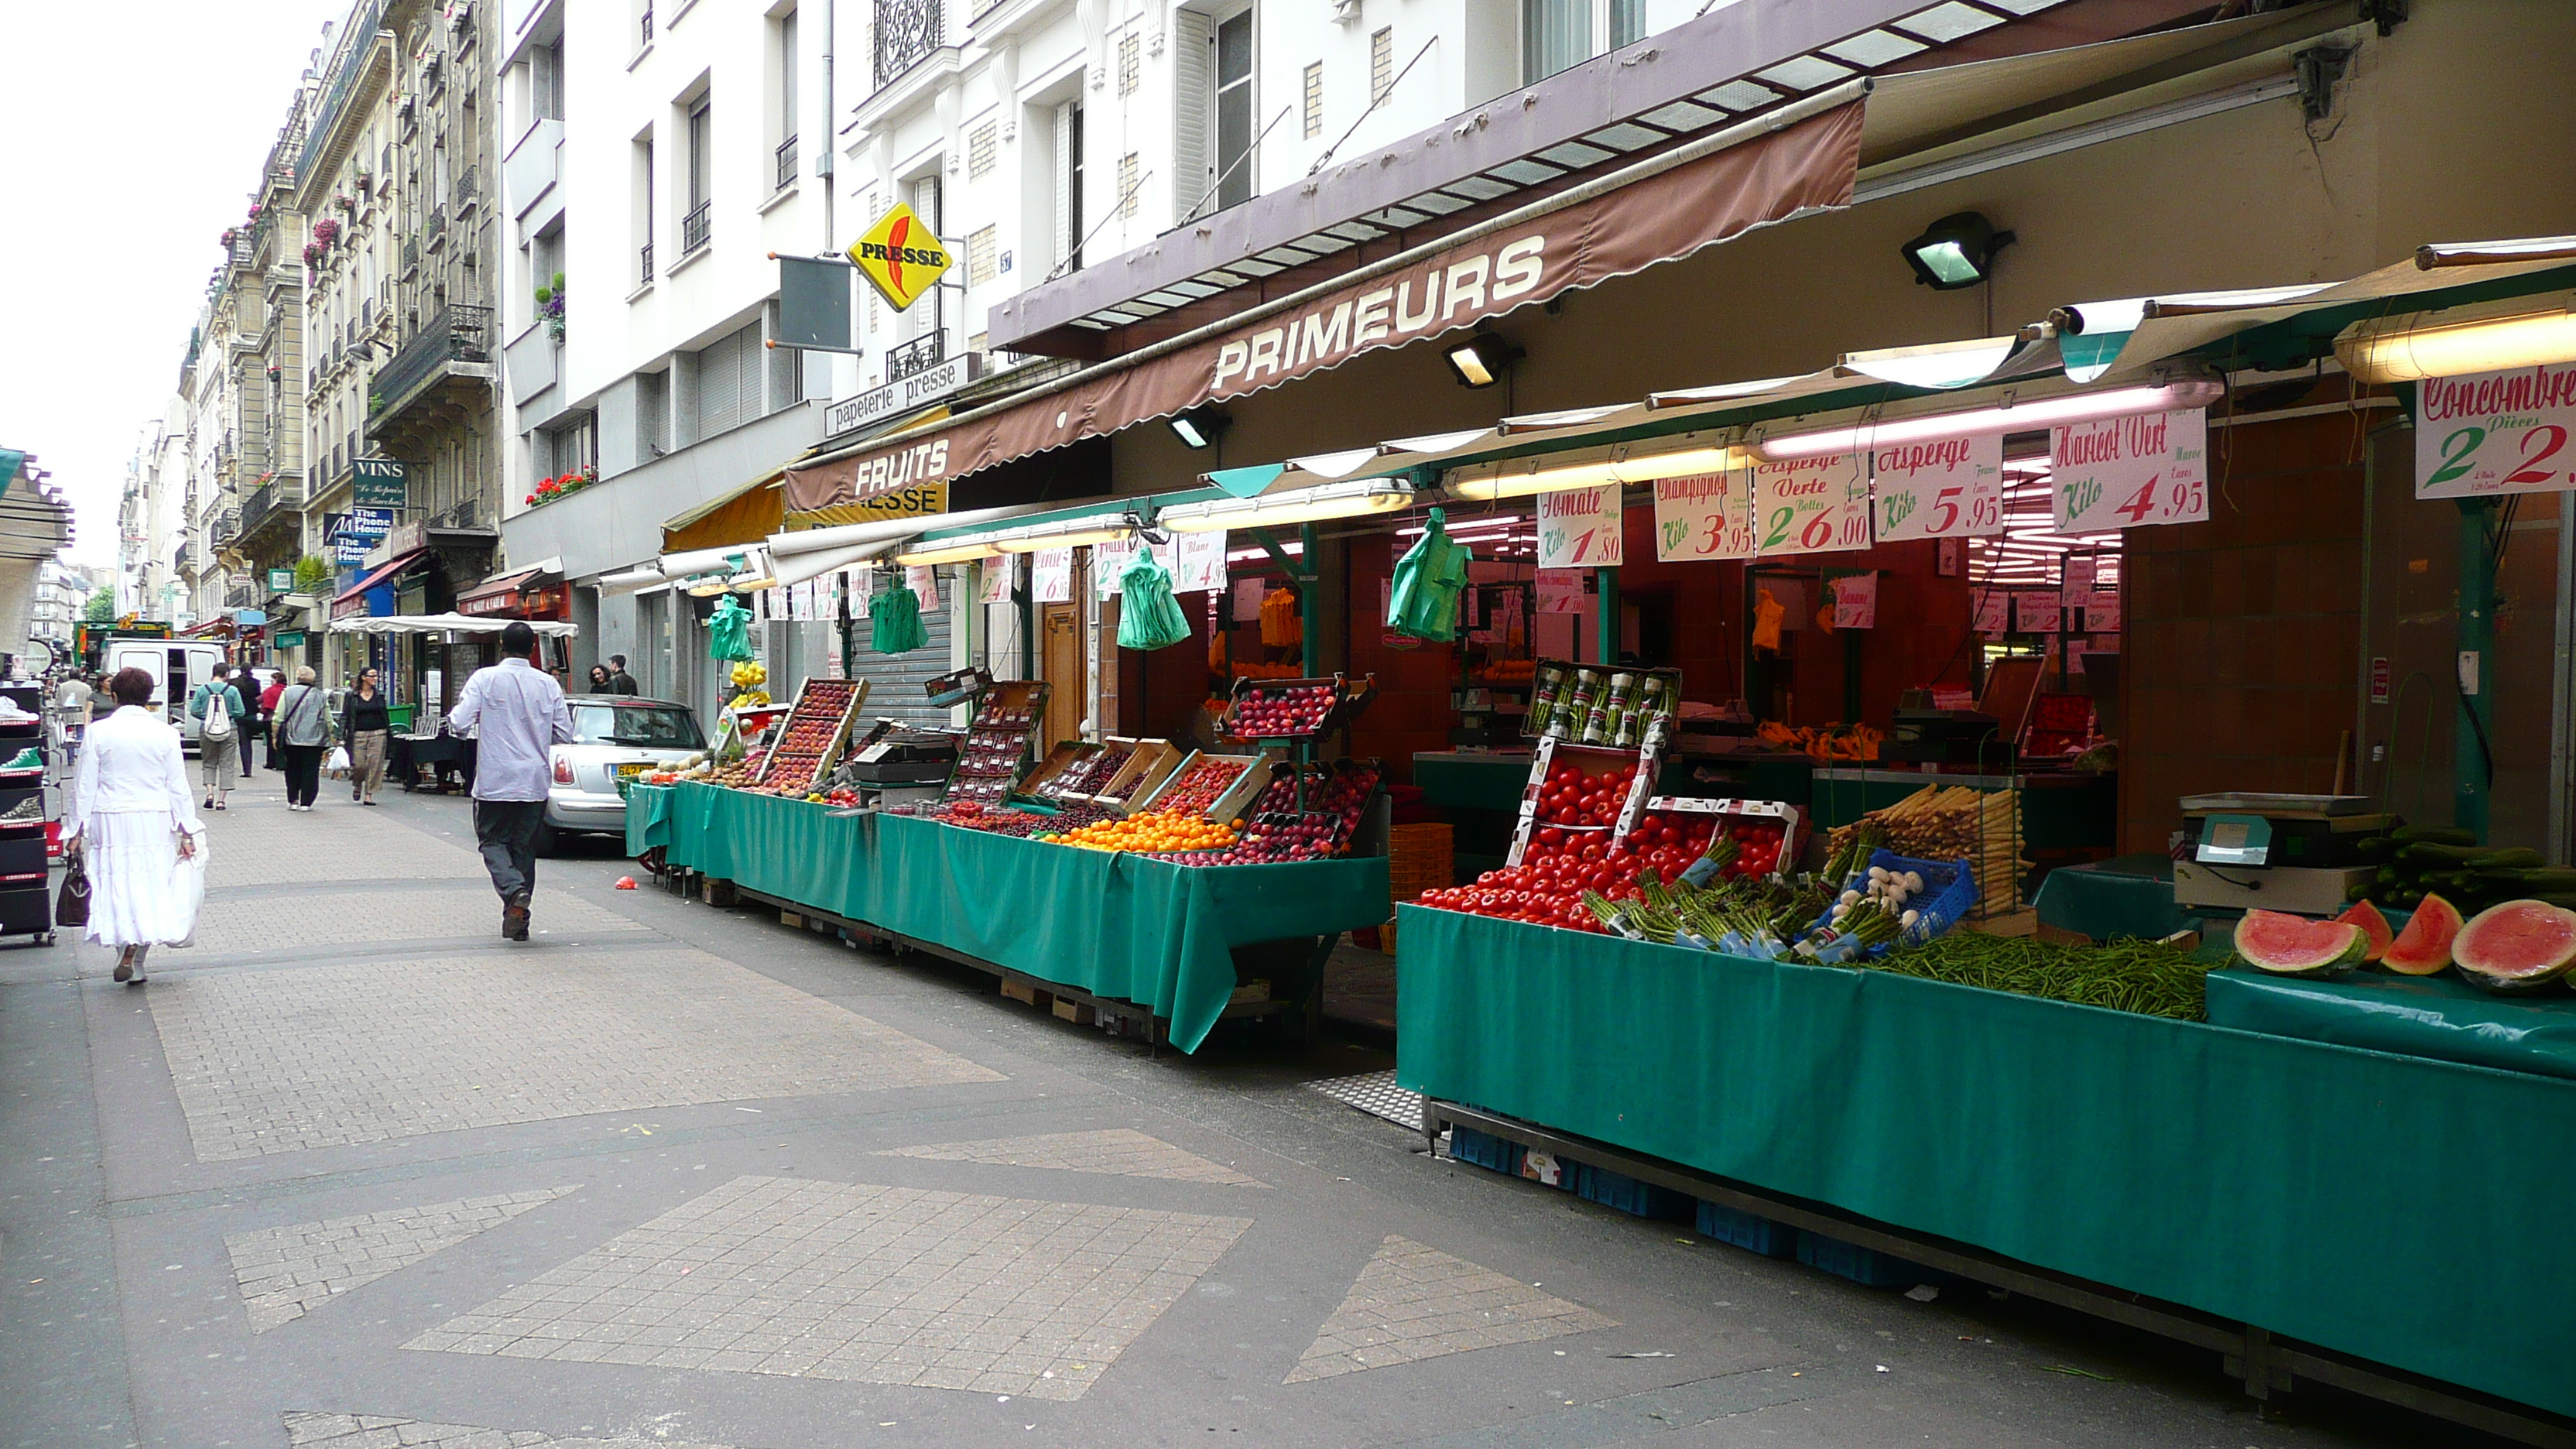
point(367, 727)
point(217, 704)
point(72, 704)
point(619, 681)
point(268, 711)
point(132, 822)
point(303, 730)
point(248, 728)
point(518, 714)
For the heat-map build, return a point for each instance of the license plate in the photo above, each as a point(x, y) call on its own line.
point(629, 772)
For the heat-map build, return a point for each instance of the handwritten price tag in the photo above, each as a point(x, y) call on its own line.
point(2036, 613)
point(1948, 488)
point(1201, 562)
point(1704, 516)
point(1579, 528)
point(1994, 613)
point(2496, 432)
point(2119, 473)
point(1811, 505)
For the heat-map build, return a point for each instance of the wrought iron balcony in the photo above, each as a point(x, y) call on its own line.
point(277, 498)
point(786, 164)
point(241, 594)
point(911, 359)
point(694, 229)
point(225, 527)
point(907, 31)
point(436, 226)
point(457, 334)
point(643, 264)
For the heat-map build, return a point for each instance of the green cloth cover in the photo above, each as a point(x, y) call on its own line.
point(2405, 1211)
point(894, 620)
point(729, 630)
point(2423, 1016)
point(1148, 616)
point(2113, 898)
point(1423, 601)
point(648, 817)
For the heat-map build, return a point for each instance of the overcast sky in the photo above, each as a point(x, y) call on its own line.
point(130, 137)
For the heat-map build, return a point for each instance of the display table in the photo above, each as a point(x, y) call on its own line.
point(2384, 1207)
point(407, 755)
point(1116, 926)
point(2424, 1016)
point(2129, 895)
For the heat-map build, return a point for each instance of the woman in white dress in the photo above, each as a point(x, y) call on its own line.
point(133, 820)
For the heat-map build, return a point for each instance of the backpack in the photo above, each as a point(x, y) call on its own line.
point(219, 714)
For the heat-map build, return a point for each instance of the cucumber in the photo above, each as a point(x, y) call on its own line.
point(2373, 849)
point(2536, 879)
point(2433, 855)
point(2432, 834)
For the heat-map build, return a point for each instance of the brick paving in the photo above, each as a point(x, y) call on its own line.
point(284, 1271)
point(226, 926)
point(1118, 1151)
point(381, 1431)
point(883, 1285)
point(1413, 1303)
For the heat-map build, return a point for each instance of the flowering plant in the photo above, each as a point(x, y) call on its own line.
point(573, 482)
point(325, 232)
point(550, 307)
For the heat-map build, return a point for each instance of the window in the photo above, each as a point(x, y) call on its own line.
point(784, 84)
point(693, 224)
point(652, 415)
point(979, 152)
point(1315, 99)
point(664, 726)
point(1561, 34)
point(728, 381)
point(1130, 63)
point(983, 254)
point(1381, 64)
point(644, 209)
point(1234, 111)
point(1127, 184)
point(545, 88)
point(1068, 186)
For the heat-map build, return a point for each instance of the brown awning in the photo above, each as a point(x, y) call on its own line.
point(1675, 205)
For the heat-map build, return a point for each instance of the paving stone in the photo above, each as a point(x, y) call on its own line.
point(292, 1059)
point(351, 1431)
point(284, 1271)
point(1412, 1302)
point(929, 1289)
point(227, 927)
point(1120, 1151)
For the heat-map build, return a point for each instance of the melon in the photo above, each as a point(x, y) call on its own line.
point(2287, 945)
point(2373, 925)
point(2424, 947)
point(2517, 946)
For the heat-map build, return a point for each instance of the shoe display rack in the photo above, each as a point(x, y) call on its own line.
point(26, 904)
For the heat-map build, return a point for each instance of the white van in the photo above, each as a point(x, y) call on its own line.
point(177, 667)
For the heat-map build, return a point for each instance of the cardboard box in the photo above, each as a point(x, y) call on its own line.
point(1147, 767)
point(1236, 798)
point(1792, 847)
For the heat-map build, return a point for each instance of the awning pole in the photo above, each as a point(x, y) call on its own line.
point(1606, 596)
point(1310, 606)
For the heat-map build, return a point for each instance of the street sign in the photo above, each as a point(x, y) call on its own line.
point(379, 483)
point(281, 581)
point(902, 256)
point(902, 396)
point(371, 524)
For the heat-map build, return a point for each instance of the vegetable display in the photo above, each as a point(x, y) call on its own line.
point(2140, 976)
point(1573, 795)
point(2415, 861)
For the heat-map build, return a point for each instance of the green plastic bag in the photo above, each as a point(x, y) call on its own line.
point(1423, 602)
point(1148, 616)
point(894, 620)
point(729, 630)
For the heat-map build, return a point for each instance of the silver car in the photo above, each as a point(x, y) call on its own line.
point(615, 737)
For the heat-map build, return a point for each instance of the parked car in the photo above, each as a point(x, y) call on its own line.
point(615, 737)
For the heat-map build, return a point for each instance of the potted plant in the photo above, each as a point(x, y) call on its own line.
point(550, 307)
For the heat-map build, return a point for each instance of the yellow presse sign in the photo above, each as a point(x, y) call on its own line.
point(902, 256)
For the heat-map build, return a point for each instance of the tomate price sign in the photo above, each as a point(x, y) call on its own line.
point(2496, 432)
point(1811, 505)
point(1946, 488)
point(2115, 473)
point(1704, 516)
point(1578, 528)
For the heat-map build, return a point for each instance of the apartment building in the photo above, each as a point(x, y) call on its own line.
point(258, 525)
point(151, 521)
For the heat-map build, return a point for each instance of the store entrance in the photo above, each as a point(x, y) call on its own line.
point(1060, 630)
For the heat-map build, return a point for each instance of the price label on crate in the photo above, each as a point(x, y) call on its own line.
point(1704, 516)
point(2496, 432)
point(1945, 488)
point(2115, 473)
point(1579, 528)
point(1811, 505)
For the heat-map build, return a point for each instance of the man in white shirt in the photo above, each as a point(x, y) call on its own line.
point(519, 715)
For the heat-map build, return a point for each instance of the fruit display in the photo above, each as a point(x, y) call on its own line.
point(1154, 830)
point(1315, 835)
point(807, 744)
point(1201, 784)
point(2287, 945)
point(1342, 790)
point(1055, 776)
point(2374, 927)
point(2510, 947)
point(1012, 704)
point(1001, 820)
point(1597, 705)
point(1103, 767)
point(1579, 790)
point(2424, 947)
point(2517, 946)
point(989, 751)
point(748, 676)
point(1830, 744)
point(1294, 708)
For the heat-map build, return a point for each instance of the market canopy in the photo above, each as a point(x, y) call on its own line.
point(447, 624)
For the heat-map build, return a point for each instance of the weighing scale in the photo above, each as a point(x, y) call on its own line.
point(2253, 850)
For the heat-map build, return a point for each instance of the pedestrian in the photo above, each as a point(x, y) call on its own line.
point(600, 683)
point(132, 822)
point(268, 712)
point(368, 728)
point(518, 714)
point(619, 681)
point(303, 728)
point(74, 698)
point(247, 685)
point(217, 704)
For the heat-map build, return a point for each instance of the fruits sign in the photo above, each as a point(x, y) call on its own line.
point(1579, 528)
point(902, 256)
point(2496, 432)
point(1704, 516)
point(1811, 505)
point(2114, 473)
point(1941, 488)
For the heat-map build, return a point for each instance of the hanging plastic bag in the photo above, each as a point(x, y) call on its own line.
point(894, 620)
point(1767, 615)
point(1423, 601)
point(729, 630)
point(1148, 616)
point(187, 891)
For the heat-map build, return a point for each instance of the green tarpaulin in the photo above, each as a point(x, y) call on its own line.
point(2400, 1210)
point(2435, 1016)
point(1117, 926)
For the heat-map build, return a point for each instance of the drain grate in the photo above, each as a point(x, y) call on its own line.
point(1376, 1094)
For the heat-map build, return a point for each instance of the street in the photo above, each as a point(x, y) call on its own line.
point(353, 1171)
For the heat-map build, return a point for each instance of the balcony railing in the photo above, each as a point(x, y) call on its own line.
point(436, 226)
point(907, 31)
point(644, 30)
point(786, 164)
point(225, 527)
point(459, 333)
point(643, 264)
point(693, 229)
point(274, 495)
point(241, 595)
point(911, 359)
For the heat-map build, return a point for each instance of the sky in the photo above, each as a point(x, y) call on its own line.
point(122, 159)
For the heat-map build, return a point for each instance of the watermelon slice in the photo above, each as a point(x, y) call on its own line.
point(2424, 947)
point(2288, 945)
point(2373, 925)
point(2516, 946)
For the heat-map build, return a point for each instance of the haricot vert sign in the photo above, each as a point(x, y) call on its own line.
point(2495, 432)
point(2114, 473)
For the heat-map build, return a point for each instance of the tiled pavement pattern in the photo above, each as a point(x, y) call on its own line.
point(381, 1431)
point(228, 926)
point(1376, 1094)
point(1413, 1303)
point(285, 1060)
point(259, 842)
point(285, 1270)
point(1119, 1151)
point(883, 1285)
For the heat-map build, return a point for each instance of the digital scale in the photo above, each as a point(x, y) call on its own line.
point(2253, 850)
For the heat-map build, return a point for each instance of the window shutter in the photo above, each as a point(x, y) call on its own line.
point(1193, 59)
point(1066, 224)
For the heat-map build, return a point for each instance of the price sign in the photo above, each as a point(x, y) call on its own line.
point(1560, 596)
point(867, 591)
point(1051, 576)
point(2075, 584)
point(2036, 613)
point(1704, 516)
point(2496, 432)
point(2116, 473)
point(923, 580)
point(2102, 611)
point(994, 577)
point(1200, 566)
point(1994, 613)
point(1948, 488)
point(1811, 505)
point(1855, 599)
point(1579, 529)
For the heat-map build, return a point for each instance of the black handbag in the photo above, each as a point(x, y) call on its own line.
point(71, 906)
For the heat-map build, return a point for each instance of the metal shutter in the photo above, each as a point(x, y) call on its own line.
point(896, 681)
point(1193, 62)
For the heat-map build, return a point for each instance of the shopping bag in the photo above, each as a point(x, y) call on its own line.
point(894, 621)
point(336, 764)
point(1148, 616)
point(1422, 601)
point(71, 905)
point(187, 890)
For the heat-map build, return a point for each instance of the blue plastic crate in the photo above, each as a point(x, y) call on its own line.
point(1744, 1230)
point(1483, 1149)
point(1627, 1194)
point(1949, 890)
point(1861, 1265)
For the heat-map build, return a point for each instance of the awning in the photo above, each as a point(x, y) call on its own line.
point(495, 595)
point(748, 514)
point(446, 624)
point(383, 573)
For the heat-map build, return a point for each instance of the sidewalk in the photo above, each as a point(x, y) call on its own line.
point(356, 1172)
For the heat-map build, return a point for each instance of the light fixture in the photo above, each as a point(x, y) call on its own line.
point(1351, 499)
point(948, 551)
point(1480, 360)
point(1069, 533)
point(2410, 350)
point(707, 586)
point(2021, 417)
point(1199, 427)
point(1591, 469)
point(1956, 251)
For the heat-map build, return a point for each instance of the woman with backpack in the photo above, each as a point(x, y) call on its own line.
point(303, 726)
point(217, 706)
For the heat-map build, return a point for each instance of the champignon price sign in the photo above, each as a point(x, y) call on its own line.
point(1942, 488)
point(1704, 516)
point(2496, 432)
point(2114, 473)
point(1579, 528)
point(1811, 505)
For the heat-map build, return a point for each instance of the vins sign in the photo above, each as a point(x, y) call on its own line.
point(2115, 473)
point(2496, 433)
point(1945, 488)
point(1811, 505)
point(1704, 516)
